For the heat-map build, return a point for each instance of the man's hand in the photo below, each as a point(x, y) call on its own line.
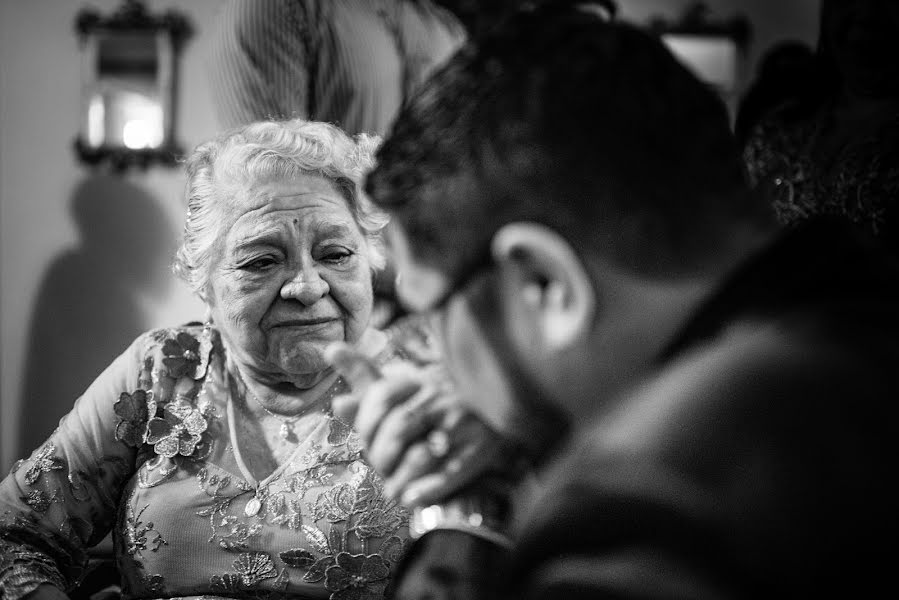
point(417, 433)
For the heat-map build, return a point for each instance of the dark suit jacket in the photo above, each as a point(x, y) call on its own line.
point(758, 461)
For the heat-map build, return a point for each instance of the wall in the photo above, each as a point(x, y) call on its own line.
point(83, 258)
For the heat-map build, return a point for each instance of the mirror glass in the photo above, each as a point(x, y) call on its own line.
point(126, 104)
point(129, 66)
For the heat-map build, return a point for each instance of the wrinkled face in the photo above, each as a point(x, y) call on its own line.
point(291, 275)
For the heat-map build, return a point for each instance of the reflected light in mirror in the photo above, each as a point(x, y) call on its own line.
point(96, 115)
point(135, 118)
point(137, 134)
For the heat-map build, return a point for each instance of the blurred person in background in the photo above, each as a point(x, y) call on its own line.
point(835, 149)
point(711, 400)
point(347, 62)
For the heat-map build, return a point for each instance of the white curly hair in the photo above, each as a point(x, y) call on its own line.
point(259, 153)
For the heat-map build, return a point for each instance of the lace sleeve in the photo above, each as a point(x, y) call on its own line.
point(63, 499)
point(22, 568)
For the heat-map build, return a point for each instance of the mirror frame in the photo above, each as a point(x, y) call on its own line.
point(132, 16)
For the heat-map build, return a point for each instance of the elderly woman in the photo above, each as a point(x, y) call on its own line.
point(211, 451)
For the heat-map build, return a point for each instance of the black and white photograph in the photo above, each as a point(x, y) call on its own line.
point(448, 299)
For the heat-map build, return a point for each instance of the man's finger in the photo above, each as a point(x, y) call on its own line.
point(377, 401)
point(416, 462)
point(459, 470)
point(403, 424)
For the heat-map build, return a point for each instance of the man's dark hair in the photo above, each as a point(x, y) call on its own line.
point(589, 127)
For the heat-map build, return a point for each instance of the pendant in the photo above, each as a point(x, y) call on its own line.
point(284, 431)
point(252, 507)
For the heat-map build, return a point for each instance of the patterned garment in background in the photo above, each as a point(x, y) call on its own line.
point(858, 183)
point(187, 517)
point(347, 62)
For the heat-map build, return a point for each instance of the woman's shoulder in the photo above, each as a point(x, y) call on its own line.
point(182, 350)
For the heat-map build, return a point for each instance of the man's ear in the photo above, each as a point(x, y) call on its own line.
point(548, 279)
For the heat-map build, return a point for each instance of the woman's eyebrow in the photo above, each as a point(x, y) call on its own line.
point(333, 230)
point(265, 238)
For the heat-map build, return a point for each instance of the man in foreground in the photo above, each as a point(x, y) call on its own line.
point(712, 402)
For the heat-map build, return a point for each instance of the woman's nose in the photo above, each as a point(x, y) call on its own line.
point(307, 287)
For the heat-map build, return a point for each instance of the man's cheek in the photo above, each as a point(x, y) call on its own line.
point(478, 375)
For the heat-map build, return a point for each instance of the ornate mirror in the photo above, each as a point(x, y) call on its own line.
point(129, 82)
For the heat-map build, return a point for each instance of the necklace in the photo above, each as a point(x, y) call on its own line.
point(260, 489)
point(286, 430)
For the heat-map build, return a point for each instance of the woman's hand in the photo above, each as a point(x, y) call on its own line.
point(417, 432)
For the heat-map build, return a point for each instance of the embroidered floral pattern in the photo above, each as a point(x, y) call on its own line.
point(38, 500)
point(311, 456)
point(301, 483)
point(155, 471)
point(338, 432)
point(253, 567)
point(179, 431)
point(153, 583)
point(140, 536)
point(357, 577)
point(134, 411)
point(290, 514)
point(229, 583)
point(317, 571)
point(378, 521)
point(231, 532)
point(43, 462)
point(377, 515)
point(331, 502)
point(393, 549)
point(299, 558)
point(181, 354)
point(237, 533)
point(336, 504)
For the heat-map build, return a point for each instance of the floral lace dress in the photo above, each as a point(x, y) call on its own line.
point(187, 520)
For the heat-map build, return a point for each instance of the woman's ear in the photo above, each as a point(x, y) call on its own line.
point(549, 282)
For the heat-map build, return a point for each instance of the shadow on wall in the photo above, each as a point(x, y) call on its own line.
point(88, 309)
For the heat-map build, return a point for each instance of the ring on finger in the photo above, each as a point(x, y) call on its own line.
point(438, 443)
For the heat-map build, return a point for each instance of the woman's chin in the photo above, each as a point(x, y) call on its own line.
point(302, 363)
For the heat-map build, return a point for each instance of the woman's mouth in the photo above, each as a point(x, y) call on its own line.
point(304, 322)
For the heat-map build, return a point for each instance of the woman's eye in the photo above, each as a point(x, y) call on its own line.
point(336, 256)
point(260, 264)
